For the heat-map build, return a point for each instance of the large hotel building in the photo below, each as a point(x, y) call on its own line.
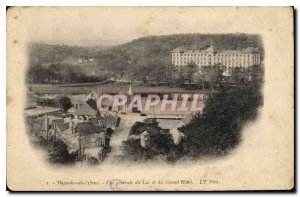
point(211, 56)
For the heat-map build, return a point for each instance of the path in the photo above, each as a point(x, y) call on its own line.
point(121, 135)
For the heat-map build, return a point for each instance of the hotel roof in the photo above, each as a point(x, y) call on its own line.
point(248, 50)
point(179, 50)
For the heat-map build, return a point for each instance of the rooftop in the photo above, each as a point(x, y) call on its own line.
point(179, 50)
point(167, 123)
point(87, 128)
point(85, 109)
point(211, 48)
point(63, 126)
point(39, 111)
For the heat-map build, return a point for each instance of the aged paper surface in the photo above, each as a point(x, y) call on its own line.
point(264, 158)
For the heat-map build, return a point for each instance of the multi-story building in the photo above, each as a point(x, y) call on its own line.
point(212, 57)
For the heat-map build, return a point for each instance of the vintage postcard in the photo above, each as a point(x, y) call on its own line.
point(150, 98)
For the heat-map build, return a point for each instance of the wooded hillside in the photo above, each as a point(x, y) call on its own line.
point(143, 57)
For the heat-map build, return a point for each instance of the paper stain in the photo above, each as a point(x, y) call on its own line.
point(9, 99)
point(144, 28)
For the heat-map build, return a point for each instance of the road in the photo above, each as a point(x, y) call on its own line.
point(121, 135)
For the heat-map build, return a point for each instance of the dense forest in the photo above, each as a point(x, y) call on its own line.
point(143, 58)
point(42, 53)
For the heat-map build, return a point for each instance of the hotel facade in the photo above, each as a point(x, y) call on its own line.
point(213, 57)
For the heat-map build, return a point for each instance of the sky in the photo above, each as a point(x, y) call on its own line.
point(116, 25)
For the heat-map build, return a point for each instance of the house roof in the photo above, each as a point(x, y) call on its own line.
point(88, 128)
point(245, 51)
point(167, 123)
point(85, 109)
point(211, 48)
point(39, 111)
point(77, 98)
point(57, 120)
point(63, 126)
point(106, 119)
point(48, 97)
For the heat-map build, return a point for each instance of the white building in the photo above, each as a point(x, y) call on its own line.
point(211, 56)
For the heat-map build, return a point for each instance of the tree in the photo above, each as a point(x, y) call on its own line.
point(134, 129)
point(140, 71)
point(159, 143)
point(58, 152)
point(114, 62)
point(132, 150)
point(64, 103)
point(200, 79)
point(239, 76)
point(37, 74)
point(157, 74)
point(189, 71)
point(213, 76)
point(228, 109)
point(179, 78)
